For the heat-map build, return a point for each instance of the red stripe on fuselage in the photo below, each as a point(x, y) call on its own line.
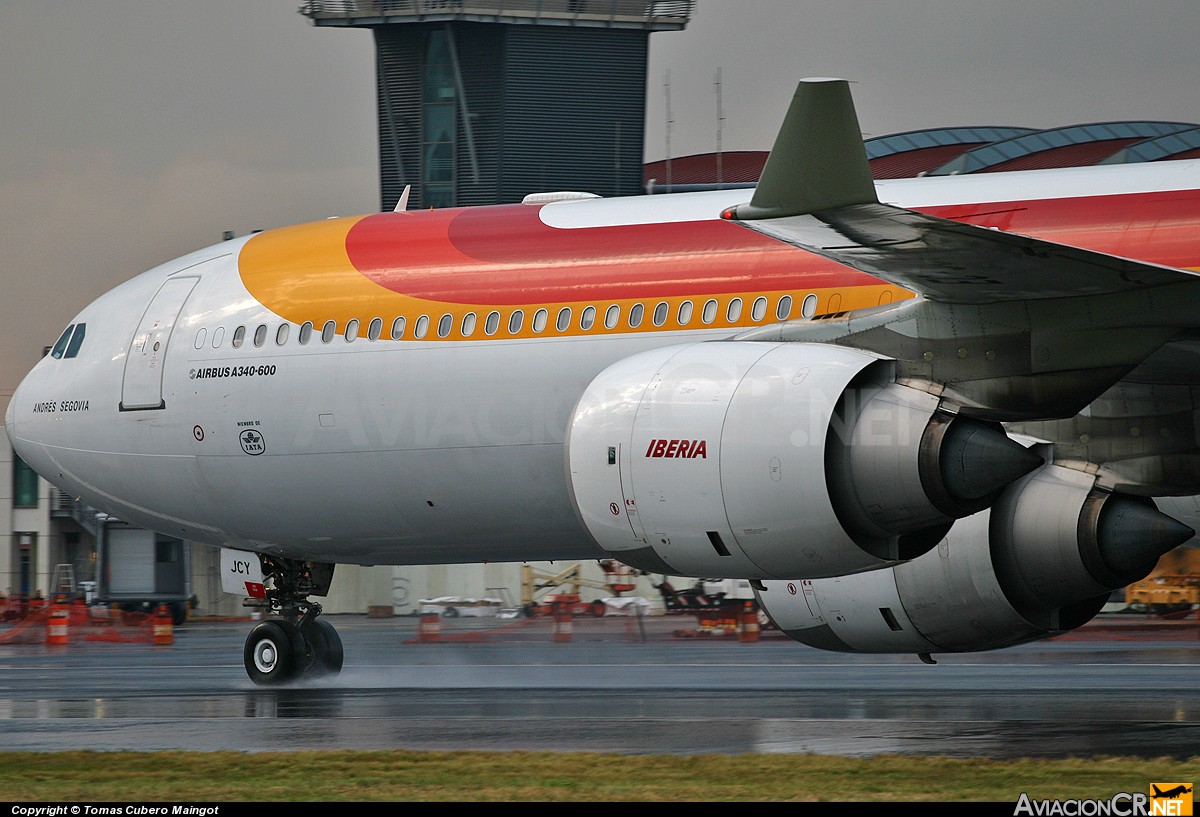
point(506, 255)
point(1154, 227)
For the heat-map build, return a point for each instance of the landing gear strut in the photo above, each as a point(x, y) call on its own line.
point(294, 642)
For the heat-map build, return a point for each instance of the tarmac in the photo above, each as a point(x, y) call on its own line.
point(1123, 685)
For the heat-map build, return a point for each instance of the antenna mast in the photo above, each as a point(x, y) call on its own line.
point(667, 89)
point(720, 123)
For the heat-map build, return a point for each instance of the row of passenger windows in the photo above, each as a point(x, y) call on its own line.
point(516, 320)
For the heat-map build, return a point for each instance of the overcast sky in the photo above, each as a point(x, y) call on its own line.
point(133, 131)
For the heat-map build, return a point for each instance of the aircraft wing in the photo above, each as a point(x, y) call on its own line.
point(816, 193)
point(959, 263)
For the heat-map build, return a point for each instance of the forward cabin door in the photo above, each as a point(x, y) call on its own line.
point(141, 388)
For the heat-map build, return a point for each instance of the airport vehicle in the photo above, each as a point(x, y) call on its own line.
point(707, 596)
point(141, 570)
point(1173, 586)
point(716, 605)
point(920, 416)
point(137, 569)
point(541, 593)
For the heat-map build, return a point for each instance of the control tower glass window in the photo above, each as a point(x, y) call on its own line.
point(438, 122)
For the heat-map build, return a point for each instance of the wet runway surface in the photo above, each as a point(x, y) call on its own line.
point(618, 685)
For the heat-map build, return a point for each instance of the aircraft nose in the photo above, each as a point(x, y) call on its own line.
point(10, 413)
point(18, 427)
point(12, 419)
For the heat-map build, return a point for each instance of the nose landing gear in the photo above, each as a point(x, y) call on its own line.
point(294, 642)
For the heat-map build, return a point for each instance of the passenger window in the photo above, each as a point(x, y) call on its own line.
point(260, 334)
point(201, 336)
point(281, 334)
point(218, 337)
point(351, 330)
point(305, 332)
point(759, 310)
point(709, 313)
point(685, 313)
point(539, 320)
point(328, 331)
point(611, 316)
point(76, 340)
point(588, 318)
point(468, 324)
point(492, 323)
point(445, 324)
point(808, 307)
point(784, 309)
point(660, 313)
point(635, 315)
point(514, 321)
point(422, 327)
point(239, 335)
point(564, 319)
point(375, 329)
point(60, 345)
point(398, 328)
point(734, 311)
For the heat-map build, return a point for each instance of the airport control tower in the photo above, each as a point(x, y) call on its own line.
point(485, 101)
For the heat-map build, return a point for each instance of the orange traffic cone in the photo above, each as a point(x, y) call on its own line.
point(163, 631)
point(430, 628)
point(57, 626)
point(750, 628)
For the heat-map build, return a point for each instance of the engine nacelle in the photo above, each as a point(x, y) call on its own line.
point(1041, 561)
point(774, 460)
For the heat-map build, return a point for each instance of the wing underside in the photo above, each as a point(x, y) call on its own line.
point(960, 263)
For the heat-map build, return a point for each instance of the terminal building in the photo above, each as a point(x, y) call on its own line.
point(482, 102)
point(954, 151)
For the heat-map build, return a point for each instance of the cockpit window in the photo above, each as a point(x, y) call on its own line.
point(60, 345)
point(69, 341)
point(76, 340)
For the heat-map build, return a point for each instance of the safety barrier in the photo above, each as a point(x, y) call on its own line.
point(65, 624)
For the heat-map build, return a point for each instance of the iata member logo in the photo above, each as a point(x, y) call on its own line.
point(252, 442)
point(1171, 799)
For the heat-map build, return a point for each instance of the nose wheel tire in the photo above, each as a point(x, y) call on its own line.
point(325, 647)
point(274, 653)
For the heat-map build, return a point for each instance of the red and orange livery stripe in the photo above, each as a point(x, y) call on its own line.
point(457, 261)
point(478, 260)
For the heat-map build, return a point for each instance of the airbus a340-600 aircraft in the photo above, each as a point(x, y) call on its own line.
point(922, 416)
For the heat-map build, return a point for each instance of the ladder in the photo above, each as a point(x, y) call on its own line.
point(62, 585)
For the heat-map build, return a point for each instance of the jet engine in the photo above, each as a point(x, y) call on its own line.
point(775, 460)
point(1041, 561)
